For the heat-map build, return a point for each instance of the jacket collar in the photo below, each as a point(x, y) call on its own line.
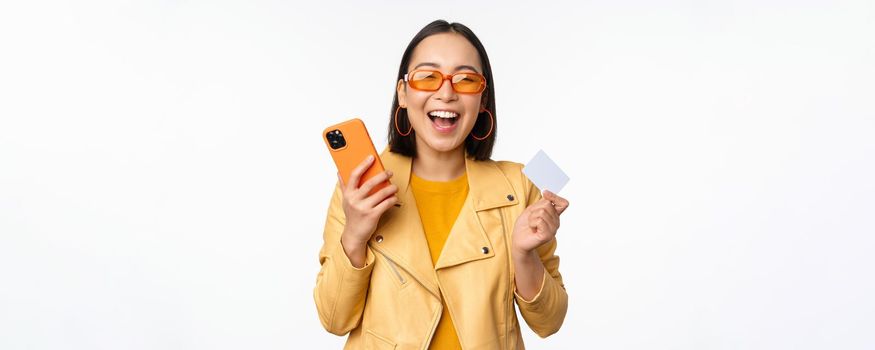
point(403, 239)
point(488, 186)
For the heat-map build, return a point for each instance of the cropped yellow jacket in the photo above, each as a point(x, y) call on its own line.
point(394, 301)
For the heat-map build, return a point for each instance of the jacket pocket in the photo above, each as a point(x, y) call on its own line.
point(376, 342)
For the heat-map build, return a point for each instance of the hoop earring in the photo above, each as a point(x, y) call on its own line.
point(491, 126)
point(396, 124)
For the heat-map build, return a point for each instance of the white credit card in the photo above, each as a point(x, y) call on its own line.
point(544, 172)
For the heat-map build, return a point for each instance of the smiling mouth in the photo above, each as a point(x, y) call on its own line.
point(443, 119)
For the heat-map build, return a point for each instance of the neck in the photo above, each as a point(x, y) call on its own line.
point(434, 165)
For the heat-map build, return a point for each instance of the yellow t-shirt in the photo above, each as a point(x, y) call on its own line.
point(439, 204)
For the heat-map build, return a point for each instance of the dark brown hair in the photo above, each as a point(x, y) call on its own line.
point(481, 150)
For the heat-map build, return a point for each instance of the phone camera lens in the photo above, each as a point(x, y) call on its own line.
point(335, 139)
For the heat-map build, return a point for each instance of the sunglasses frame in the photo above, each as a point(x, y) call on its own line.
point(448, 77)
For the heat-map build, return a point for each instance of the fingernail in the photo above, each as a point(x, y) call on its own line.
point(389, 172)
point(370, 157)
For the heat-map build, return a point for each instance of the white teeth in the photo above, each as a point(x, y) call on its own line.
point(443, 114)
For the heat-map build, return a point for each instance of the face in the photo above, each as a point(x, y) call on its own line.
point(442, 119)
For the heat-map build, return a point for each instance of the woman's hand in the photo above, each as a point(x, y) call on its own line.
point(363, 212)
point(537, 224)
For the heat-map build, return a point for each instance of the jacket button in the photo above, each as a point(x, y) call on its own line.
point(510, 197)
point(485, 250)
point(379, 238)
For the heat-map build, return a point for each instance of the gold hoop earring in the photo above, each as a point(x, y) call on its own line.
point(491, 126)
point(396, 124)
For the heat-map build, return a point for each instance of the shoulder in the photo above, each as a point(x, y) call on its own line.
point(508, 167)
point(512, 170)
point(521, 183)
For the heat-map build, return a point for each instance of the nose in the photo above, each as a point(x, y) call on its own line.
point(445, 92)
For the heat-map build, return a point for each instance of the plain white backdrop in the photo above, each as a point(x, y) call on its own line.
point(163, 184)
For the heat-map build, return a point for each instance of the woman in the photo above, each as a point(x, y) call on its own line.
point(438, 258)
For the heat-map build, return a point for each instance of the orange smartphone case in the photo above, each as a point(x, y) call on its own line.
point(349, 144)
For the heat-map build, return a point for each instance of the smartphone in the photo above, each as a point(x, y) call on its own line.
point(349, 144)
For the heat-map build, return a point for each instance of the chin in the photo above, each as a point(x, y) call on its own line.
point(445, 145)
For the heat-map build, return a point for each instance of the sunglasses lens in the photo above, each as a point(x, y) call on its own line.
point(425, 80)
point(467, 83)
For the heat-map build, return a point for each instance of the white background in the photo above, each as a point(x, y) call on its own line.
point(163, 184)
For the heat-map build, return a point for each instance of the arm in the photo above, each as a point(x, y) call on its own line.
point(341, 287)
point(347, 262)
point(539, 290)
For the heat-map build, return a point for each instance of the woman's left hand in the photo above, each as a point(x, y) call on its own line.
point(538, 223)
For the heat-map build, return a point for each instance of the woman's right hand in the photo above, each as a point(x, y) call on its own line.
point(362, 211)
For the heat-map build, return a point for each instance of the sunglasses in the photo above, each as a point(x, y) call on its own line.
point(431, 80)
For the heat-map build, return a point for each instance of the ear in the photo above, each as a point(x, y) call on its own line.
point(402, 93)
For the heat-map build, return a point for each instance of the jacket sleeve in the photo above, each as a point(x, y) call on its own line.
point(340, 287)
point(546, 311)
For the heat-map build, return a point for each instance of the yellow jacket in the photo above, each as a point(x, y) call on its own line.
point(394, 301)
